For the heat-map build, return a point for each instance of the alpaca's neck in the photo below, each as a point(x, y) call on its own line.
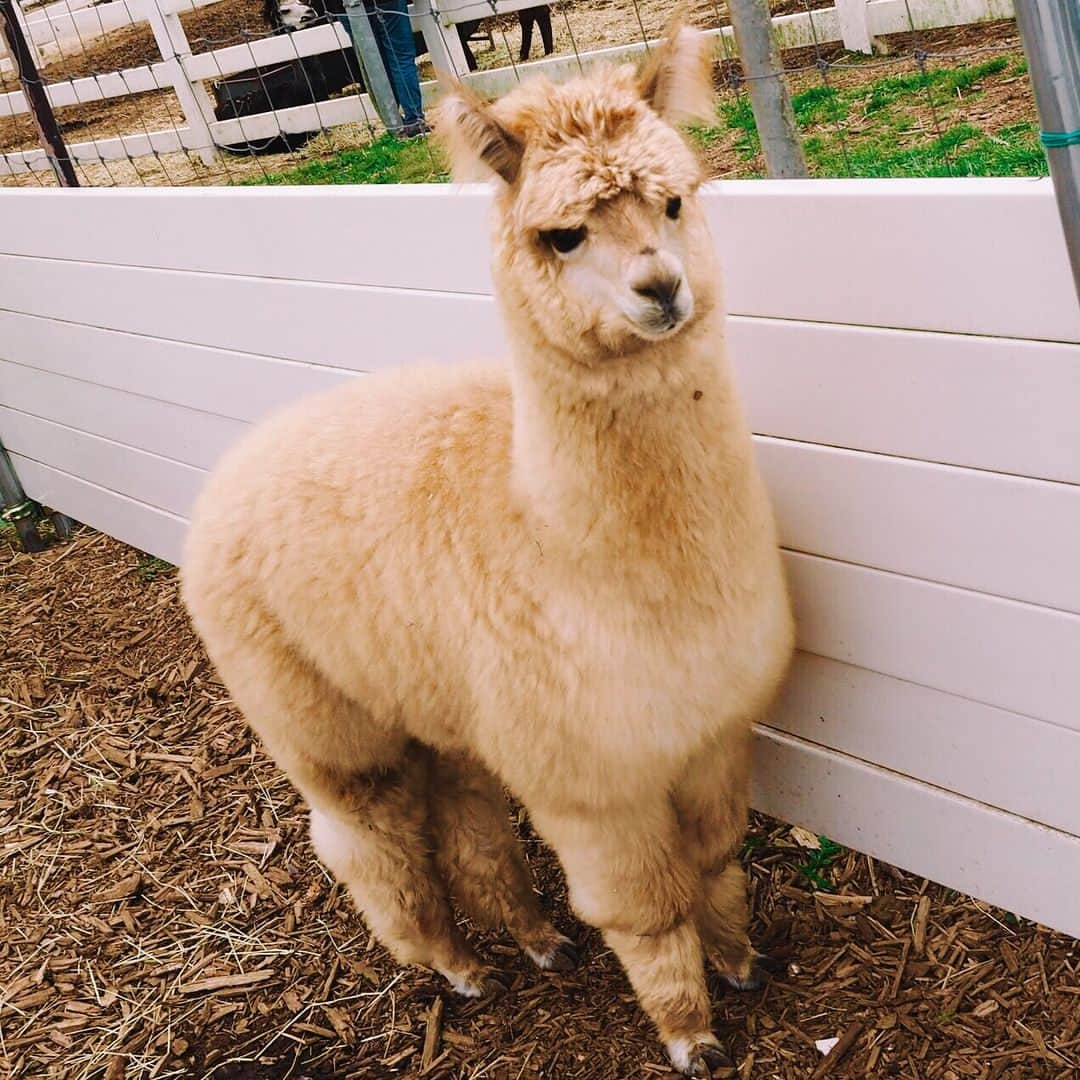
point(603, 456)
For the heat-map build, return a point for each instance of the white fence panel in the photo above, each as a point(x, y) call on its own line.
point(1033, 870)
point(916, 425)
point(1000, 758)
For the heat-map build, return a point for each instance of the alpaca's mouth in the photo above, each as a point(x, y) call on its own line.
point(663, 322)
point(665, 313)
point(664, 327)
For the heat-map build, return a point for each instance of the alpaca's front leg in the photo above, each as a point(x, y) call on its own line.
point(629, 876)
point(711, 801)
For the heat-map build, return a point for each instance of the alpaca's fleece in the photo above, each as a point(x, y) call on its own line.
point(560, 571)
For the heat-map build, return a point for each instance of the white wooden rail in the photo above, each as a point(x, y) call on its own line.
point(914, 399)
point(854, 22)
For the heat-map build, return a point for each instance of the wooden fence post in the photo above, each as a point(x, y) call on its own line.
point(195, 102)
point(31, 45)
point(855, 25)
point(444, 45)
point(763, 70)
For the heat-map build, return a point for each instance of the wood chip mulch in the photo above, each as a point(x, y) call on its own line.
point(162, 915)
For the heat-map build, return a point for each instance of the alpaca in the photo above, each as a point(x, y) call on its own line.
point(557, 576)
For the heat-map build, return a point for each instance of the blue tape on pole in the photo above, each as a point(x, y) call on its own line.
point(1054, 140)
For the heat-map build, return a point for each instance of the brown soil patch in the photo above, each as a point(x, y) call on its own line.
point(212, 27)
point(162, 913)
point(208, 28)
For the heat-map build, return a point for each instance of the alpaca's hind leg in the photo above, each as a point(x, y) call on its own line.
point(372, 830)
point(481, 860)
point(366, 786)
point(628, 875)
point(711, 803)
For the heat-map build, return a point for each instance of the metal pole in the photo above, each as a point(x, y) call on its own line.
point(371, 64)
point(34, 89)
point(1051, 33)
point(17, 508)
point(763, 71)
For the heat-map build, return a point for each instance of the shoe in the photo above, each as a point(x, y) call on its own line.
point(413, 130)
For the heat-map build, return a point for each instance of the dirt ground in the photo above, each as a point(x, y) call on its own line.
point(162, 915)
point(578, 25)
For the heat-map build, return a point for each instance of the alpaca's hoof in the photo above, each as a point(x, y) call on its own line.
point(747, 983)
point(563, 957)
point(478, 984)
point(762, 968)
point(701, 1057)
point(772, 964)
point(495, 984)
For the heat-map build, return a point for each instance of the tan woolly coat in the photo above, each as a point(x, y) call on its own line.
point(559, 570)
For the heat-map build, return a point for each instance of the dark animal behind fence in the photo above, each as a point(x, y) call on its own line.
point(314, 78)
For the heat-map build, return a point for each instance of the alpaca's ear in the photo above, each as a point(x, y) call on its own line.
point(677, 77)
point(477, 144)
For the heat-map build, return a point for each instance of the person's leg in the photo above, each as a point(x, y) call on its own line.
point(465, 31)
point(393, 32)
point(373, 17)
point(543, 17)
point(526, 18)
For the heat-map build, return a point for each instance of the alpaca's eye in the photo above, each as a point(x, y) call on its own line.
point(563, 240)
point(674, 205)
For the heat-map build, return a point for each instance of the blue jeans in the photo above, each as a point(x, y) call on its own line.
point(394, 36)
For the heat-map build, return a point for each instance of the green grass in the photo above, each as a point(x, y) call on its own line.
point(818, 862)
point(150, 568)
point(385, 161)
point(951, 81)
point(961, 150)
point(887, 127)
point(883, 127)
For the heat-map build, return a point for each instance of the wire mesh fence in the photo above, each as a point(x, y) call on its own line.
point(180, 92)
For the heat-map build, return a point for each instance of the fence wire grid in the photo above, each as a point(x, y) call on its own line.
point(181, 92)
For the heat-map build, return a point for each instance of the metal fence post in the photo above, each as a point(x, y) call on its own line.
point(371, 64)
point(17, 508)
point(1051, 33)
point(763, 71)
point(36, 96)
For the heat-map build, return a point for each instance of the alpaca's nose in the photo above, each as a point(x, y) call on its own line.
point(660, 289)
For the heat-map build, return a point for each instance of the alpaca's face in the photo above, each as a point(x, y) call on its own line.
point(601, 246)
point(624, 257)
point(293, 14)
point(624, 276)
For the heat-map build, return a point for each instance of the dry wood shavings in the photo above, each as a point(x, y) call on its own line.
point(162, 914)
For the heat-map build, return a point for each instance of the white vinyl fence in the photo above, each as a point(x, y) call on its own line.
point(909, 355)
point(855, 23)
